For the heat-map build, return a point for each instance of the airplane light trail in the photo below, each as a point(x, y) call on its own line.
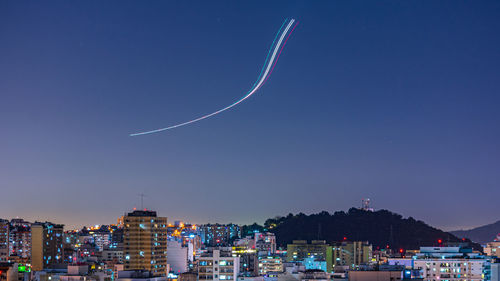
point(268, 66)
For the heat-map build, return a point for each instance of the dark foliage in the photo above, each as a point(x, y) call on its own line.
point(247, 230)
point(381, 228)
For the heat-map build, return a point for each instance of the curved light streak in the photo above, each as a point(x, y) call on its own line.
point(279, 54)
point(268, 53)
point(256, 86)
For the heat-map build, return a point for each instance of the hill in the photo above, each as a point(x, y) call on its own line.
point(381, 228)
point(482, 234)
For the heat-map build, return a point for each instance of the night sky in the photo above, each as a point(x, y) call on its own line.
point(397, 101)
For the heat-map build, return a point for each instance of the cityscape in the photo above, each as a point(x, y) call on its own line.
point(145, 246)
point(230, 140)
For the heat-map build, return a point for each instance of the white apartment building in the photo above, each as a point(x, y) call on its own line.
point(451, 269)
point(177, 257)
point(495, 272)
point(449, 263)
point(218, 265)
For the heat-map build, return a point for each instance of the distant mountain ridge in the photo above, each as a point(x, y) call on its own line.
point(381, 228)
point(481, 234)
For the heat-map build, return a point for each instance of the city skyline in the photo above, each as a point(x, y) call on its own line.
point(396, 102)
point(171, 221)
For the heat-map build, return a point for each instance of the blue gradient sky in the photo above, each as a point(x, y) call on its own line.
point(392, 100)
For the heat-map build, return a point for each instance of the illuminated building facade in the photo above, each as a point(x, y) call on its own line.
point(450, 263)
point(351, 254)
point(116, 238)
point(216, 235)
point(15, 241)
point(46, 245)
point(317, 250)
point(4, 240)
point(145, 242)
point(20, 242)
point(119, 221)
point(270, 264)
point(492, 249)
point(311, 263)
point(218, 265)
point(249, 263)
point(102, 240)
point(265, 243)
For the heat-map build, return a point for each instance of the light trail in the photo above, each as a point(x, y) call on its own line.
point(279, 54)
point(272, 61)
point(268, 53)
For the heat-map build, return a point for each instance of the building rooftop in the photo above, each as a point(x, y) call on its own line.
point(142, 213)
point(48, 224)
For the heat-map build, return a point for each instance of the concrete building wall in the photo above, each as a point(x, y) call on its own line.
point(455, 269)
point(8, 271)
point(46, 245)
point(36, 247)
point(218, 267)
point(177, 257)
point(495, 272)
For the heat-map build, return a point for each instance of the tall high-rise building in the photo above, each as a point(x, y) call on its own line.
point(46, 245)
point(20, 242)
point(145, 242)
point(4, 240)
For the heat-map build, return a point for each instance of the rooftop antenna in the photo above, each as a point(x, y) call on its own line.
point(365, 205)
point(142, 200)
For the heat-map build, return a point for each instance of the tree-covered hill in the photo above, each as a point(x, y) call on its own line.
point(381, 228)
